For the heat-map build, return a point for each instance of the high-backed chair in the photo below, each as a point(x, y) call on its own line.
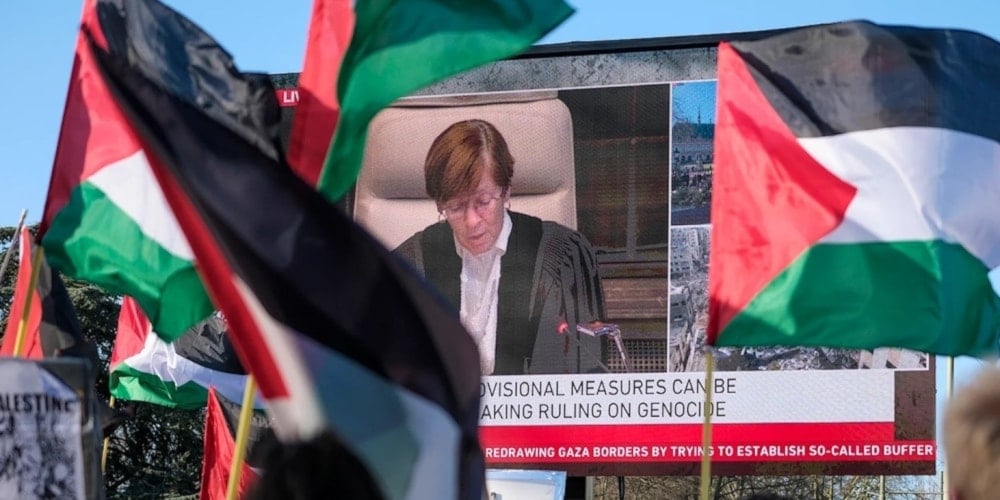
point(390, 198)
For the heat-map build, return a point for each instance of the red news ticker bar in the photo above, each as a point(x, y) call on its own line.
point(287, 97)
point(682, 443)
point(598, 435)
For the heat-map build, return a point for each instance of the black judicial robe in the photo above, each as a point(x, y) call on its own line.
point(548, 276)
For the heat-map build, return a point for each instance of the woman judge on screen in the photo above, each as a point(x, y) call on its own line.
point(521, 284)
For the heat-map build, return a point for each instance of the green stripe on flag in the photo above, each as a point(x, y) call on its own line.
point(91, 239)
point(400, 47)
point(928, 296)
point(129, 384)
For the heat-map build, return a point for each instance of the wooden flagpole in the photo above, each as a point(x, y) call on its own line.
point(22, 325)
point(10, 249)
point(242, 436)
point(706, 429)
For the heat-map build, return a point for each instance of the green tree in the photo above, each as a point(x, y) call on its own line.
point(158, 452)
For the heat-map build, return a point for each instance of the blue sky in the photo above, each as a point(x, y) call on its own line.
point(37, 39)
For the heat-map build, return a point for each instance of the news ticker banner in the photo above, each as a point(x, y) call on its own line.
point(765, 416)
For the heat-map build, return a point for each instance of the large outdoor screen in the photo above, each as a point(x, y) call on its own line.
point(615, 141)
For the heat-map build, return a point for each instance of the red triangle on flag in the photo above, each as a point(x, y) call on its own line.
point(771, 200)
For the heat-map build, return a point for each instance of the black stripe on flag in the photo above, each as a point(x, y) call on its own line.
point(836, 78)
point(207, 344)
point(60, 331)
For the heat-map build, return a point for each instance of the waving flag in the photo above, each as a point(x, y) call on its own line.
point(105, 219)
point(178, 374)
point(310, 296)
point(855, 190)
point(400, 46)
point(52, 327)
point(317, 111)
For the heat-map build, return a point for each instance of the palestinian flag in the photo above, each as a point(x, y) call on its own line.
point(401, 46)
point(309, 295)
point(221, 422)
point(855, 190)
point(52, 327)
point(178, 374)
point(105, 219)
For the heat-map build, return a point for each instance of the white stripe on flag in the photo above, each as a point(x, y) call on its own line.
point(129, 183)
point(161, 359)
point(917, 184)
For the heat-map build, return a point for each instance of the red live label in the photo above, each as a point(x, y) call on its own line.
point(287, 97)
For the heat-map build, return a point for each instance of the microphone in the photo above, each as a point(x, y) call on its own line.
point(602, 329)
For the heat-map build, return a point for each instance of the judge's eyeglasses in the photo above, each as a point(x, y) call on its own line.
point(482, 203)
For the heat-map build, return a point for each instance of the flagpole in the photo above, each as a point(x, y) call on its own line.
point(706, 429)
point(22, 325)
point(107, 440)
point(242, 436)
point(17, 235)
point(950, 385)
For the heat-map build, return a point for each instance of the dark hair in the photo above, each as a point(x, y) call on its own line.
point(321, 467)
point(458, 157)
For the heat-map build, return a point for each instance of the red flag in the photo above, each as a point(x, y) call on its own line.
point(318, 110)
point(31, 347)
point(220, 445)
